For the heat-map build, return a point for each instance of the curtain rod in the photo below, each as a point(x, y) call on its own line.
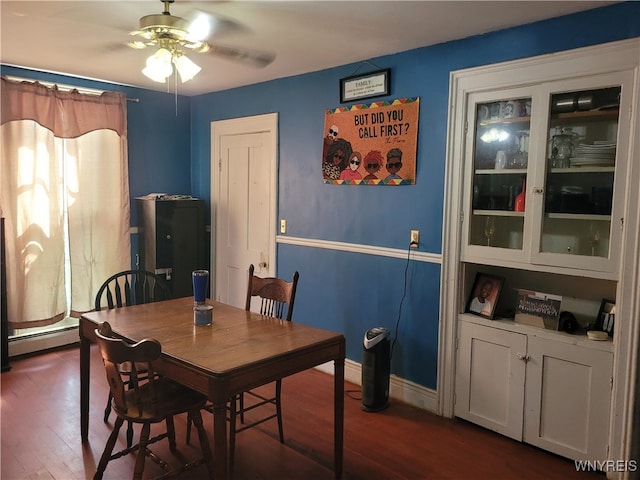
point(65, 87)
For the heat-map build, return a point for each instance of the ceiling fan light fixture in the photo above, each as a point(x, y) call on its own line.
point(158, 66)
point(173, 36)
point(186, 68)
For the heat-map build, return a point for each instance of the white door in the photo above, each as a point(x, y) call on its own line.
point(490, 378)
point(568, 399)
point(243, 193)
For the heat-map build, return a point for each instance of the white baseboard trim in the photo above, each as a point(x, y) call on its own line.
point(399, 388)
point(36, 343)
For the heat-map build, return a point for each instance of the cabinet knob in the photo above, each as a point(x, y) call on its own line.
point(168, 237)
point(523, 356)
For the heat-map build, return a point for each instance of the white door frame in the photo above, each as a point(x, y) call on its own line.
point(266, 123)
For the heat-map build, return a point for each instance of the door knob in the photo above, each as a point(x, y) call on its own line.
point(264, 260)
point(523, 356)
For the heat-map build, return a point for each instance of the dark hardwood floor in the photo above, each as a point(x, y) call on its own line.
point(41, 435)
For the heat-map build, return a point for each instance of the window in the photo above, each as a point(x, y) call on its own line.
point(65, 199)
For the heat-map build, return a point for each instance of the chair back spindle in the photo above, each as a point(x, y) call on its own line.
point(132, 287)
point(275, 294)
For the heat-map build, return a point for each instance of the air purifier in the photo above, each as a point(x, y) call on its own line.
point(376, 366)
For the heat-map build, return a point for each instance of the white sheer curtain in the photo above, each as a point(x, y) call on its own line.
point(64, 181)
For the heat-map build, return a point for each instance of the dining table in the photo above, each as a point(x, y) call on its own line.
point(239, 351)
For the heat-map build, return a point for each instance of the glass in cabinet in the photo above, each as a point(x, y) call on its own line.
point(544, 173)
point(500, 159)
point(580, 172)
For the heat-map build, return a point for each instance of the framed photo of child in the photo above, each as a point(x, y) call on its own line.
point(484, 295)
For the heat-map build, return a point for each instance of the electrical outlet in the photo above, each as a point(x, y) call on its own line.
point(415, 239)
point(283, 226)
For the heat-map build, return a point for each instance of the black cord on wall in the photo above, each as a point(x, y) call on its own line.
point(404, 293)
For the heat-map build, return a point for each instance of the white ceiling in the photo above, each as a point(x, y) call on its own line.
point(88, 38)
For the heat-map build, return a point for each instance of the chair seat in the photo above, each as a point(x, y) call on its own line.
point(172, 399)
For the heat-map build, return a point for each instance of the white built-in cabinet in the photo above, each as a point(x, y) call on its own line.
point(542, 182)
point(554, 393)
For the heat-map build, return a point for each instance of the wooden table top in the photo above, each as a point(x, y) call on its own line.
point(235, 340)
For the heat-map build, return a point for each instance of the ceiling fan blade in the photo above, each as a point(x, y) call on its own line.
point(206, 25)
point(116, 47)
point(254, 57)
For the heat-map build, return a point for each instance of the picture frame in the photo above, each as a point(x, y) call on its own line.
point(484, 295)
point(367, 85)
point(606, 316)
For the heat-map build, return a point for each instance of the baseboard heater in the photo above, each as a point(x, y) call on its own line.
point(43, 341)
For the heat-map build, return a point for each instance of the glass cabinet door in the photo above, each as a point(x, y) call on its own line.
point(543, 183)
point(500, 158)
point(580, 172)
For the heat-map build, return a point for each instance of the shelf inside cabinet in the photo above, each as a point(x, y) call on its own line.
point(501, 171)
point(578, 216)
point(586, 114)
point(578, 170)
point(498, 213)
point(504, 120)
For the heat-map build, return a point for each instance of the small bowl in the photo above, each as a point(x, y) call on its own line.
point(597, 335)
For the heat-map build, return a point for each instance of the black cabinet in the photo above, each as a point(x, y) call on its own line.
point(172, 240)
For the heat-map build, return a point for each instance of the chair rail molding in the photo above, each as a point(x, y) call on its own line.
point(360, 248)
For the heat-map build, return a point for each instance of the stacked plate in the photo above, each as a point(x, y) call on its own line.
point(600, 153)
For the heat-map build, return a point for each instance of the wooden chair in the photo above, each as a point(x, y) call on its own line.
point(146, 401)
point(130, 287)
point(277, 296)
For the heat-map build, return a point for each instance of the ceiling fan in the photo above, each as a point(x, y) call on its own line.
point(173, 36)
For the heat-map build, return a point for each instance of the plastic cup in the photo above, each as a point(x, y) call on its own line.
point(200, 284)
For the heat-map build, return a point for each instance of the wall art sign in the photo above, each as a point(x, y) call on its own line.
point(372, 144)
point(359, 87)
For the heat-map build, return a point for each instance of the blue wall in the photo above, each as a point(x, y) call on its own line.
point(351, 292)
point(343, 291)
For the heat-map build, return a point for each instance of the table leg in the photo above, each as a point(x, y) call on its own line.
point(338, 406)
point(220, 457)
point(84, 387)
